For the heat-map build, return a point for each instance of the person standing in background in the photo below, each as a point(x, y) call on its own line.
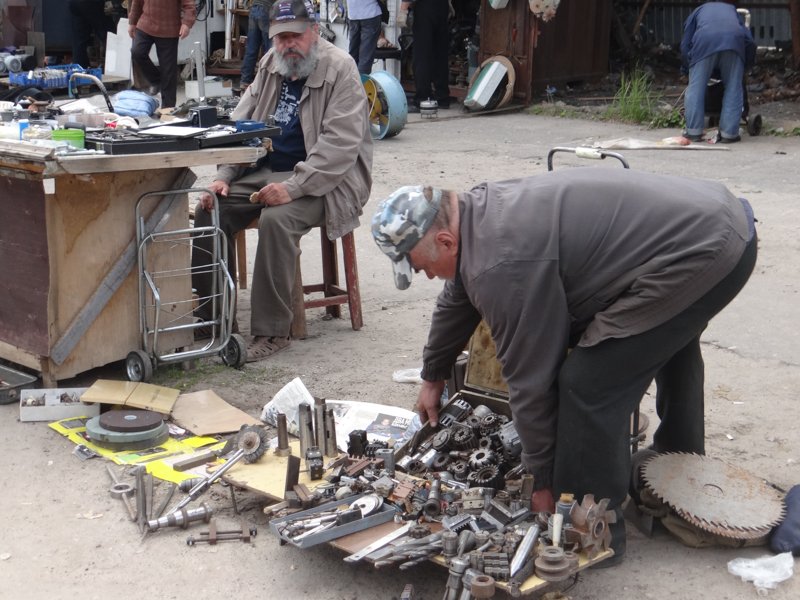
point(715, 40)
point(431, 51)
point(163, 23)
point(364, 19)
point(88, 17)
point(257, 38)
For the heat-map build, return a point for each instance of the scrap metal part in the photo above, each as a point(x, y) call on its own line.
point(253, 441)
point(713, 495)
point(555, 564)
point(589, 525)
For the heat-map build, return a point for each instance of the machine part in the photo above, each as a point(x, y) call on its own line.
point(314, 463)
point(555, 530)
point(319, 424)
point(331, 450)
point(466, 583)
point(459, 469)
point(125, 499)
point(509, 438)
point(484, 443)
point(283, 449)
point(488, 476)
point(408, 592)
point(387, 456)
point(252, 440)
point(466, 542)
point(473, 422)
point(525, 549)
point(465, 439)
point(713, 495)
point(182, 517)
point(141, 498)
point(379, 543)
point(388, 109)
point(428, 109)
point(457, 523)
point(458, 566)
point(564, 506)
point(497, 539)
point(212, 536)
point(442, 439)
point(433, 505)
point(449, 544)
point(126, 440)
point(118, 490)
point(483, 586)
point(526, 490)
point(490, 423)
point(306, 428)
point(373, 447)
point(440, 462)
point(495, 564)
point(187, 484)
point(481, 458)
point(130, 420)
point(481, 411)
point(357, 443)
point(455, 411)
point(419, 531)
point(416, 467)
point(555, 564)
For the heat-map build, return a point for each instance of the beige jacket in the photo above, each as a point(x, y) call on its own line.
point(334, 118)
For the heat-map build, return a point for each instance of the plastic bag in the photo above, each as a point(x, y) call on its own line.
point(407, 376)
point(765, 572)
point(130, 103)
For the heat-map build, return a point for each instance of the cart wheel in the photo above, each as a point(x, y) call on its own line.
point(235, 352)
point(754, 125)
point(139, 366)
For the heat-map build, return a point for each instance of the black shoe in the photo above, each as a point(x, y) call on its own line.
point(413, 109)
point(618, 543)
point(694, 138)
point(726, 140)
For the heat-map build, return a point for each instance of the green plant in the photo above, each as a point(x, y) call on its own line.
point(636, 102)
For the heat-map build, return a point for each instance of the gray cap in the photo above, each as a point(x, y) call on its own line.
point(291, 16)
point(400, 222)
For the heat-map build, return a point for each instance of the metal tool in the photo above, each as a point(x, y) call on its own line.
point(124, 496)
point(524, 550)
point(212, 536)
point(379, 543)
point(252, 443)
point(283, 448)
point(182, 518)
point(306, 428)
point(715, 496)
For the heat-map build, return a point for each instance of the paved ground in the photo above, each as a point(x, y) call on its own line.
point(65, 537)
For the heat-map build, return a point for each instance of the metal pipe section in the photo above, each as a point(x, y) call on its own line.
point(319, 424)
point(306, 428)
point(331, 448)
point(283, 448)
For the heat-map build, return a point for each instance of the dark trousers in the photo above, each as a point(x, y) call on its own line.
point(600, 386)
point(364, 34)
point(163, 76)
point(88, 17)
point(257, 41)
point(279, 231)
point(431, 51)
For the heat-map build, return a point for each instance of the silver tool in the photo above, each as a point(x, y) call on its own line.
point(379, 543)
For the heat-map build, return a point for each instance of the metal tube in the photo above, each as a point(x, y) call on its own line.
point(306, 428)
point(319, 424)
point(283, 448)
point(331, 448)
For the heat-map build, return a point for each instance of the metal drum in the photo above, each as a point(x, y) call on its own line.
point(388, 108)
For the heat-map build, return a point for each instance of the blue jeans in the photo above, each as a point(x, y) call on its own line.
point(257, 38)
point(731, 69)
point(364, 35)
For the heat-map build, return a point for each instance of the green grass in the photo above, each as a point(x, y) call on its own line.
point(637, 102)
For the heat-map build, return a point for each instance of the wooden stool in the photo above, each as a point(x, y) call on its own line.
point(333, 295)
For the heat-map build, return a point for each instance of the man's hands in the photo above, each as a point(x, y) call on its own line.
point(542, 501)
point(428, 401)
point(220, 188)
point(132, 31)
point(183, 32)
point(272, 194)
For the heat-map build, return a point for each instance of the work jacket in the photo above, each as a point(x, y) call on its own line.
point(335, 124)
point(576, 257)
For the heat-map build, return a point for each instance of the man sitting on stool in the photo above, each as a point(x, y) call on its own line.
point(318, 174)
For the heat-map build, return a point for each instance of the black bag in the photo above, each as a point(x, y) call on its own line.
point(384, 11)
point(786, 536)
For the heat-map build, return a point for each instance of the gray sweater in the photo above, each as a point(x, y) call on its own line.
point(575, 257)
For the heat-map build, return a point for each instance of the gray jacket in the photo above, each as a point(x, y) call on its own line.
point(334, 118)
point(571, 257)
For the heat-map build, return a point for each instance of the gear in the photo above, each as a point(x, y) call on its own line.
point(464, 439)
point(481, 458)
point(488, 476)
point(252, 440)
point(713, 495)
point(441, 441)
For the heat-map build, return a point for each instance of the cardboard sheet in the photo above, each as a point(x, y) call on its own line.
point(205, 413)
point(133, 395)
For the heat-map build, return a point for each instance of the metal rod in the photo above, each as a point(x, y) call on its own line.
point(306, 428)
point(331, 448)
point(283, 448)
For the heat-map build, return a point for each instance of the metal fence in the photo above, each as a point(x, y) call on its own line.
point(663, 22)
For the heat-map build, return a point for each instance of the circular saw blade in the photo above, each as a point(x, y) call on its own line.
point(714, 495)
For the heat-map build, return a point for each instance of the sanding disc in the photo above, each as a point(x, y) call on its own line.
point(126, 440)
point(130, 420)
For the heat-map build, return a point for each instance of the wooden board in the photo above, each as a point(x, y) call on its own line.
point(205, 413)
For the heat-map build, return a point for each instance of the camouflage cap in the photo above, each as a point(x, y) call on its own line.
point(400, 223)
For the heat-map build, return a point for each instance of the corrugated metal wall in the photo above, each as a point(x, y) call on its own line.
point(663, 22)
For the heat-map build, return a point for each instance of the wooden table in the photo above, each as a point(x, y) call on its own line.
point(68, 250)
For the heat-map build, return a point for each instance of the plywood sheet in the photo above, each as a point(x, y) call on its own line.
point(205, 413)
point(133, 395)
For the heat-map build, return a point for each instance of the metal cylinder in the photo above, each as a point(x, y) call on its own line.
point(331, 448)
point(283, 448)
point(433, 505)
point(449, 543)
point(182, 517)
point(525, 549)
point(306, 428)
point(387, 455)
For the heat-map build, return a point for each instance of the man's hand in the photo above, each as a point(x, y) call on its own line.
point(272, 194)
point(183, 32)
point(220, 188)
point(428, 401)
point(132, 31)
point(542, 501)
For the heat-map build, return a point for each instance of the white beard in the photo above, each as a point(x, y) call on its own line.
point(297, 68)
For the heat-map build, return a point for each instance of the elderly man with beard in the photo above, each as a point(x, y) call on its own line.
point(317, 174)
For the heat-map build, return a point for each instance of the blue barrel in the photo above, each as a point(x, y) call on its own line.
point(388, 108)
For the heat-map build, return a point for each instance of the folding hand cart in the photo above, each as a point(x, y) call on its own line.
point(166, 303)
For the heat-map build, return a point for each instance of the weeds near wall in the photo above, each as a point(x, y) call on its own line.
point(636, 102)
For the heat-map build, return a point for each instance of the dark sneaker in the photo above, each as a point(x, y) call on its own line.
point(726, 140)
point(693, 137)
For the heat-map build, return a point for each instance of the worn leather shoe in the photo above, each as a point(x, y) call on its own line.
point(693, 137)
point(727, 140)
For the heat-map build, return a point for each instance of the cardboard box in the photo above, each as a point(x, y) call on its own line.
point(54, 404)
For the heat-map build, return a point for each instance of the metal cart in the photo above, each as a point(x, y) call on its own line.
point(166, 302)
